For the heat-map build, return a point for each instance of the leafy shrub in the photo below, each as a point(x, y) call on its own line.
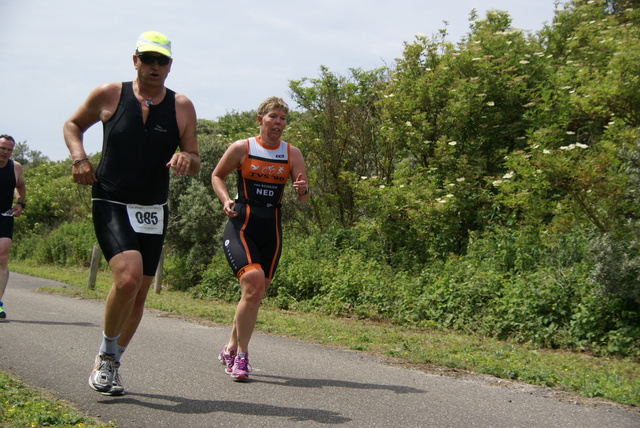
point(601, 325)
point(299, 277)
point(218, 281)
point(616, 268)
point(70, 244)
point(322, 272)
point(535, 308)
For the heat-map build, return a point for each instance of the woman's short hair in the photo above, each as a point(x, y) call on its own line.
point(272, 103)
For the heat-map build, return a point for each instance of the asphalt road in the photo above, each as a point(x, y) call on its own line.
point(174, 380)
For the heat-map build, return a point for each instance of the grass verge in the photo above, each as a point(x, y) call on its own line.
point(21, 406)
point(569, 375)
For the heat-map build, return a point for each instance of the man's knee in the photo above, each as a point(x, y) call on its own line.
point(4, 262)
point(5, 246)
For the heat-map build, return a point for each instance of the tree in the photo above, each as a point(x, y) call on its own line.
point(26, 157)
point(338, 133)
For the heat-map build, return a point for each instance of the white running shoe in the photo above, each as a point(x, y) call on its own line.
point(117, 388)
point(101, 378)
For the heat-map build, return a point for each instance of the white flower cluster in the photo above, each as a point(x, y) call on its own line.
point(445, 199)
point(509, 175)
point(573, 146)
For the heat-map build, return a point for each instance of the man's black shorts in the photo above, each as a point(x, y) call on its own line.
point(6, 227)
point(115, 234)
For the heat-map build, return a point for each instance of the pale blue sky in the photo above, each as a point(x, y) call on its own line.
point(228, 56)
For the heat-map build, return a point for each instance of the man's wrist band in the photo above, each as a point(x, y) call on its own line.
point(22, 204)
point(77, 161)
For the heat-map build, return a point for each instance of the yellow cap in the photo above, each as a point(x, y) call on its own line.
point(152, 41)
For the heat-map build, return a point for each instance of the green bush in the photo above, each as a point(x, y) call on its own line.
point(530, 289)
point(354, 285)
point(70, 244)
point(534, 308)
point(600, 324)
point(218, 281)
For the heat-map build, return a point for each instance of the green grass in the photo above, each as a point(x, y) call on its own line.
point(433, 350)
point(24, 407)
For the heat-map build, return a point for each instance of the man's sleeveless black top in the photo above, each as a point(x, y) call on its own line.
point(133, 168)
point(7, 186)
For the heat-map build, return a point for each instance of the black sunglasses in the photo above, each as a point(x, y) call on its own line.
point(149, 59)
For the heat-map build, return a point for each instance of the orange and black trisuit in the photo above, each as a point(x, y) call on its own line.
point(253, 239)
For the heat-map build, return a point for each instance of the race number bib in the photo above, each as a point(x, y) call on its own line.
point(147, 219)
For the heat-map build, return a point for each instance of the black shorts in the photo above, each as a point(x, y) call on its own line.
point(253, 239)
point(115, 234)
point(6, 227)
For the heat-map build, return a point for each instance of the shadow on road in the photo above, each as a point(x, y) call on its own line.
point(78, 324)
point(320, 383)
point(191, 406)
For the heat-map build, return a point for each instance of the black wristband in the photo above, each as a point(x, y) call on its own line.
point(21, 204)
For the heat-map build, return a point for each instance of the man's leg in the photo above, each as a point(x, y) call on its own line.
point(5, 246)
point(131, 324)
point(126, 269)
point(128, 330)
